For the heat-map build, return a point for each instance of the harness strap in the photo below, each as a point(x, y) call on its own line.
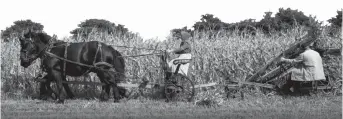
point(99, 49)
point(64, 62)
point(96, 53)
point(95, 56)
point(43, 55)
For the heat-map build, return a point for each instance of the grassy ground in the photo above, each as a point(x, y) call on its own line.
point(308, 107)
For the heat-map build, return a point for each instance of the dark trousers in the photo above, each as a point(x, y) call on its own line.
point(286, 88)
point(286, 84)
point(297, 85)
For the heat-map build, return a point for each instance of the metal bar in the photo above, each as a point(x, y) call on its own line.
point(256, 84)
point(135, 47)
point(129, 85)
point(318, 88)
point(139, 55)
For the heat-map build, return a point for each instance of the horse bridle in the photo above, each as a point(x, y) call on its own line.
point(41, 52)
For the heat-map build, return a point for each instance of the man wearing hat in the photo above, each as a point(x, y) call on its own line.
point(309, 67)
point(184, 52)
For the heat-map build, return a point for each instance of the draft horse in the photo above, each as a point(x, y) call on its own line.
point(92, 53)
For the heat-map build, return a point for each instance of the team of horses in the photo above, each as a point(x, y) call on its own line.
point(108, 64)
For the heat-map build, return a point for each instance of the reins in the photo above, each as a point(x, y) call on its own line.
point(93, 66)
point(140, 55)
point(136, 47)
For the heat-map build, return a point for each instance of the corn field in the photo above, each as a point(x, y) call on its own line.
point(216, 58)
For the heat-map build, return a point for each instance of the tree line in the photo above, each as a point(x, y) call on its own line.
point(84, 29)
point(283, 20)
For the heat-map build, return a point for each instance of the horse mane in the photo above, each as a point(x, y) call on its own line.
point(45, 38)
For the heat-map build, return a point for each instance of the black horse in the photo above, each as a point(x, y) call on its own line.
point(110, 63)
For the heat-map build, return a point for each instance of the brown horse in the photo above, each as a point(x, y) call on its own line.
point(37, 45)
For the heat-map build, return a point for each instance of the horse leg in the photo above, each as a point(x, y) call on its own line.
point(116, 94)
point(42, 91)
point(50, 91)
point(57, 76)
point(45, 88)
point(105, 77)
point(68, 91)
point(105, 91)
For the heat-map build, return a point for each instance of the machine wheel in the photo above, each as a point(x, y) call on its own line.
point(179, 88)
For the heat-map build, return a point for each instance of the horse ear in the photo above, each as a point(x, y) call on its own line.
point(21, 36)
point(27, 33)
point(21, 39)
point(30, 31)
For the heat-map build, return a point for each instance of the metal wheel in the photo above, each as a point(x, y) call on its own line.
point(143, 90)
point(179, 88)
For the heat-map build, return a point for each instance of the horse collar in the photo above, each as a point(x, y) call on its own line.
point(42, 54)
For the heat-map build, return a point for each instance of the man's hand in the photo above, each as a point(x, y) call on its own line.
point(282, 59)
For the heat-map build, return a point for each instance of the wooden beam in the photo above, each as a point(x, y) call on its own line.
point(83, 83)
point(257, 84)
point(269, 75)
point(129, 85)
point(319, 88)
point(205, 85)
point(330, 51)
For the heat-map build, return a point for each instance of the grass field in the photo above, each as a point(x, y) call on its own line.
point(266, 107)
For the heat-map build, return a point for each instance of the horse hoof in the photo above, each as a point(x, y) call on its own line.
point(103, 100)
point(104, 97)
point(60, 101)
point(71, 97)
point(43, 98)
point(53, 96)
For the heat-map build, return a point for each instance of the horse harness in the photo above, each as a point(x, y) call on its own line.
point(46, 51)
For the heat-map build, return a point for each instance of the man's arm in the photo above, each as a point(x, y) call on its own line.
point(182, 48)
point(298, 59)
